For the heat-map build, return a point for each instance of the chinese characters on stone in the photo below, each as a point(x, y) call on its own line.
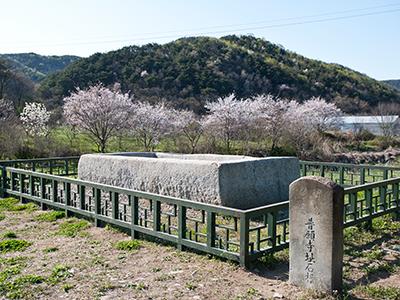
point(309, 249)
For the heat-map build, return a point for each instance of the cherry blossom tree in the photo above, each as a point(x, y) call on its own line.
point(7, 112)
point(150, 123)
point(306, 122)
point(191, 125)
point(34, 118)
point(271, 117)
point(99, 111)
point(228, 118)
point(320, 114)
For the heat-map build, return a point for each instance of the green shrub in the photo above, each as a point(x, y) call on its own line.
point(13, 245)
point(50, 216)
point(71, 227)
point(10, 235)
point(2, 217)
point(127, 245)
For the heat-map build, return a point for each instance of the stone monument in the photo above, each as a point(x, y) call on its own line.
point(229, 180)
point(316, 234)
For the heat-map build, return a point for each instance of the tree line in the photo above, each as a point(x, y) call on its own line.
point(104, 113)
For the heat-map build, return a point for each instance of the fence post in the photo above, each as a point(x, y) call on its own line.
point(134, 216)
point(316, 234)
point(3, 193)
point(244, 240)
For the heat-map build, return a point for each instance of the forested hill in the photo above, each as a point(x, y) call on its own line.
point(35, 66)
point(190, 71)
point(394, 83)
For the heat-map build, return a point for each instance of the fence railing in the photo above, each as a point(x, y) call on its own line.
point(348, 174)
point(63, 166)
point(239, 235)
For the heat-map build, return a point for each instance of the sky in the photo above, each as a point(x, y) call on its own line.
point(361, 34)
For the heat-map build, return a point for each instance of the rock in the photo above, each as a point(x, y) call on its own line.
point(316, 234)
point(228, 180)
point(278, 296)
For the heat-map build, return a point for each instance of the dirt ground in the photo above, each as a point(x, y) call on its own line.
point(83, 262)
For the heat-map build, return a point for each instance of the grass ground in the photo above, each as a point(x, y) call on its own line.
point(44, 255)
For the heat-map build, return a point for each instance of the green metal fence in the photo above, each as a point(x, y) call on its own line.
point(63, 166)
point(348, 174)
point(239, 235)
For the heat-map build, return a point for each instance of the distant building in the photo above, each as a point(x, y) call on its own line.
point(378, 125)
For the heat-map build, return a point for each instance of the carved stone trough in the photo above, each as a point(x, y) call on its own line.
point(228, 180)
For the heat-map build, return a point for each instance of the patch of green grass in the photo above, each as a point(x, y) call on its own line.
point(165, 277)
point(12, 204)
point(71, 227)
point(7, 273)
point(50, 216)
point(13, 261)
point(29, 279)
point(10, 235)
point(59, 273)
point(190, 286)
point(140, 286)
point(130, 245)
point(50, 249)
point(378, 292)
point(67, 287)
point(14, 245)
point(385, 267)
point(20, 287)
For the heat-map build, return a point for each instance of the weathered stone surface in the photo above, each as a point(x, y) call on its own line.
point(316, 233)
point(229, 180)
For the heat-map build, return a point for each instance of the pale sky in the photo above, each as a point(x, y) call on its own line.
point(361, 34)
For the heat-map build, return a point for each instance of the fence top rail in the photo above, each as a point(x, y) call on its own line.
point(334, 164)
point(6, 162)
point(366, 186)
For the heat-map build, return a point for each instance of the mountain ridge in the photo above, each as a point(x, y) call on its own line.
point(35, 66)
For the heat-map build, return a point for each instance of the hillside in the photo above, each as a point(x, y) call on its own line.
point(190, 71)
point(393, 82)
point(35, 66)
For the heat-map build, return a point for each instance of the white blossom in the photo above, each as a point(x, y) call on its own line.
point(34, 118)
point(150, 123)
point(99, 111)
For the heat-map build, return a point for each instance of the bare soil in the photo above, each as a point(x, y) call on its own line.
point(97, 270)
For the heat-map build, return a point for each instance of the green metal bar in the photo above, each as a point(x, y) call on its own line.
point(67, 167)
point(210, 229)
point(31, 185)
point(272, 228)
point(21, 185)
point(115, 205)
point(181, 225)
point(156, 215)
point(244, 241)
point(82, 195)
point(362, 175)
point(134, 216)
point(55, 190)
point(3, 193)
point(341, 175)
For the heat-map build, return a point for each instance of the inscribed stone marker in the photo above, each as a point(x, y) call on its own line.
point(316, 234)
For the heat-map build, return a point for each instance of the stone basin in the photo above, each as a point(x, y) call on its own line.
point(229, 180)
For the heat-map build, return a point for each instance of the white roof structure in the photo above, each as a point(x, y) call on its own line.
point(368, 119)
